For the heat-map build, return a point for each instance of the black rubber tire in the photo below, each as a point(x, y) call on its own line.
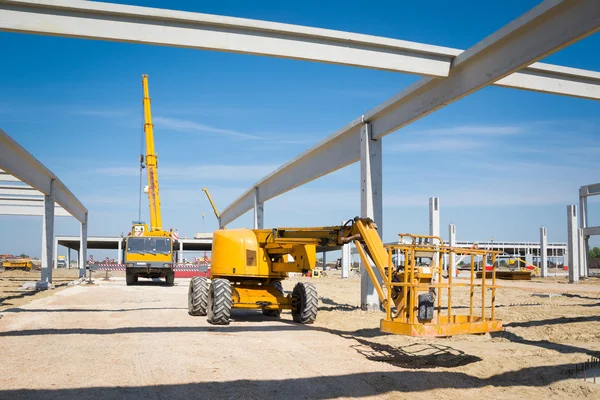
point(220, 302)
point(198, 296)
point(130, 278)
point(170, 279)
point(305, 303)
point(274, 313)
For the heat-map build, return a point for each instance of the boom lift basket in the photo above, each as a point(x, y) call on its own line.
point(418, 298)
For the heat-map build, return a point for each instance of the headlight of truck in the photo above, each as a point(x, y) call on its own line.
point(129, 265)
point(167, 265)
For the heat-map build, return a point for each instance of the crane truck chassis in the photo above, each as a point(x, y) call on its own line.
point(248, 266)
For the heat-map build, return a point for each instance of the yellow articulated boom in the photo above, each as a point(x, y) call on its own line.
point(248, 266)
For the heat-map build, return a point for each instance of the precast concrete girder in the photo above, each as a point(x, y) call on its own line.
point(543, 30)
point(19, 163)
point(124, 23)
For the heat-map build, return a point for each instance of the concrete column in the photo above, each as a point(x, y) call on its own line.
point(258, 211)
point(83, 247)
point(434, 222)
point(120, 250)
point(371, 204)
point(48, 235)
point(583, 223)
point(68, 258)
point(324, 260)
point(452, 236)
point(55, 254)
point(572, 244)
point(180, 254)
point(543, 252)
point(346, 260)
point(582, 257)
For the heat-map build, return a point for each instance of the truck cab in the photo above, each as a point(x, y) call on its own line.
point(149, 255)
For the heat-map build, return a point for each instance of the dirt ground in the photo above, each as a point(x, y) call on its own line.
point(11, 281)
point(112, 341)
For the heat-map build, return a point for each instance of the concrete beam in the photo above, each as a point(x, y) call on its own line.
point(30, 211)
point(17, 161)
point(572, 244)
point(543, 30)
point(124, 23)
point(591, 231)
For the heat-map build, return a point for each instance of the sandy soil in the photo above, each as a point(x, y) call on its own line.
point(11, 281)
point(112, 341)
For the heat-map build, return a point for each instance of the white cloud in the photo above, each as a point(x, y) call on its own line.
point(182, 125)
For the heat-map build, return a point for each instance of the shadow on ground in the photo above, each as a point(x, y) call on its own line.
point(319, 387)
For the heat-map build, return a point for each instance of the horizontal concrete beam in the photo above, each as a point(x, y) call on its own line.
point(124, 23)
point(591, 231)
point(25, 210)
point(545, 29)
point(18, 162)
point(590, 190)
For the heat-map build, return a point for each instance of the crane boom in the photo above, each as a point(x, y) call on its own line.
point(205, 190)
point(151, 162)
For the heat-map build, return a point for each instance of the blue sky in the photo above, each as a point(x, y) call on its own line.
point(503, 162)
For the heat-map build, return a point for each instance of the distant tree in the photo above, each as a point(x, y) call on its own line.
point(595, 252)
point(22, 255)
point(461, 264)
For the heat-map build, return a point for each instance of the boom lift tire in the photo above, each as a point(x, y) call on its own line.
point(220, 302)
point(274, 313)
point(170, 279)
point(305, 303)
point(198, 296)
point(130, 278)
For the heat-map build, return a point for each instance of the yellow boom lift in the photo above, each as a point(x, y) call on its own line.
point(149, 251)
point(248, 266)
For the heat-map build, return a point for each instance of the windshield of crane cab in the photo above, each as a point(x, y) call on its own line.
point(144, 245)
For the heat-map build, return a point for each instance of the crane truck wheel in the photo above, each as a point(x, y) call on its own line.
point(220, 302)
point(198, 295)
point(305, 303)
point(130, 278)
point(274, 313)
point(170, 279)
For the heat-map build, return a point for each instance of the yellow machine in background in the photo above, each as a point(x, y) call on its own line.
point(248, 266)
point(149, 251)
point(24, 264)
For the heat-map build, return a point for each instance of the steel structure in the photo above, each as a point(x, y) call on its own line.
point(41, 193)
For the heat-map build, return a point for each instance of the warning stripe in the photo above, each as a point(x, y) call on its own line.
point(121, 267)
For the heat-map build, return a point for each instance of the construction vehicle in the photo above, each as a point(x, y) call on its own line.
point(24, 264)
point(248, 266)
point(212, 204)
point(61, 262)
point(149, 250)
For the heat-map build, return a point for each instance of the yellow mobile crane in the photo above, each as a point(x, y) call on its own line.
point(248, 266)
point(149, 252)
